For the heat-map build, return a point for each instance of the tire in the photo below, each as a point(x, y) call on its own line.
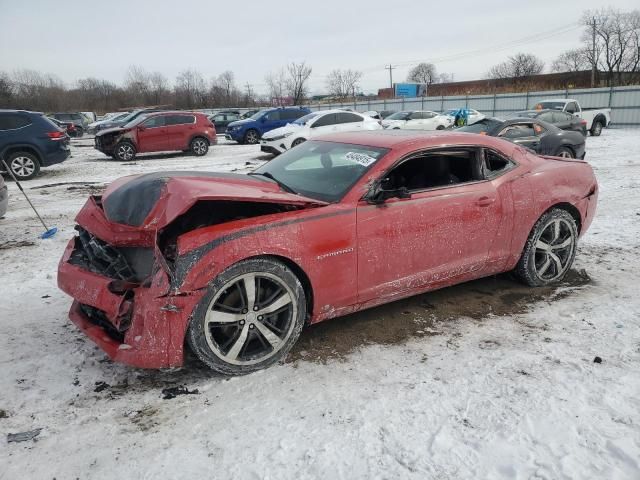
point(251, 137)
point(565, 152)
point(550, 249)
point(298, 141)
point(24, 165)
point(596, 128)
point(199, 146)
point(124, 151)
point(440, 127)
point(227, 331)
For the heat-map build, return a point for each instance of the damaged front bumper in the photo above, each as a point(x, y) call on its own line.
point(138, 324)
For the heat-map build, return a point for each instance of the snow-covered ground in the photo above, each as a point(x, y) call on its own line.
point(484, 380)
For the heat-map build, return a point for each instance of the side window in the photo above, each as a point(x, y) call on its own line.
point(429, 114)
point(177, 119)
point(218, 118)
point(547, 117)
point(348, 118)
point(291, 114)
point(518, 130)
point(273, 116)
point(325, 120)
point(154, 122)
point(12, 121)
point(572, 107)
point(232, 117)
point(416, 116)
point(559, 117)
point(495, 164)
point(437, 169)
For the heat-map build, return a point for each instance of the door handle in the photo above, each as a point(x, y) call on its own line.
point(485, 201)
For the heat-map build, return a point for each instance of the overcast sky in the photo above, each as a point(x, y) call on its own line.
point(75, 39)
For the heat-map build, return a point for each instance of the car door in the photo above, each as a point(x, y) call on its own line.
point(180, 128)
point(438, 233)
point(326, 123)
point(348, 122)
point(152, 135)
point(415, 121)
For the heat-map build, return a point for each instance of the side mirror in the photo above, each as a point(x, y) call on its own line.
point(378, 195)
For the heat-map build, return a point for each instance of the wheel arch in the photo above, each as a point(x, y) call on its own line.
point(568, 207)
point(199, 135)
point(600, 118)
point(299, 272)
point(32, 149)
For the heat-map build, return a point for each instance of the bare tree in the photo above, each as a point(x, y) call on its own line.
point(343, 83)
point(296, 81)
point(616, 34)
point(423, 73)
point(575, 60)
point(517, 66)
point(277, 85)
point(445, 78)
point(189, 89)
point(137, 84)
point(6, 93)
point(159, 88)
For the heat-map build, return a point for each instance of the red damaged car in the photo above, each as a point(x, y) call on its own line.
point(158, 132)
point(237, 265)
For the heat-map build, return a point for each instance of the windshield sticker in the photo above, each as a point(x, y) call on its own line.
point(361, 158)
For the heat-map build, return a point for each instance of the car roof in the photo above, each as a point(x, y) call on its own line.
point(399, 138)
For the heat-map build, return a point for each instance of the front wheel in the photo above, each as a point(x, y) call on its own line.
point(125, 152)
point(199, 146)
point(250, 317)
point(440, 127)
point(251, 137)
point(23, 165)
point(550, 249)
point(565, 152)
point(297, 142)
point(596, 128)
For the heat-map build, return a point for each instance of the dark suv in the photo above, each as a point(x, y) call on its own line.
point(79, 120)
point(28, 141)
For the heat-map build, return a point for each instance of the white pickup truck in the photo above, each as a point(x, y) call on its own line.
point(596, 118)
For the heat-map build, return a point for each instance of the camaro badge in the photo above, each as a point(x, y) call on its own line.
point(334, 254)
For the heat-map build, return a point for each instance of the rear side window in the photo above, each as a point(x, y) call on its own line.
point(561, 117)
point(273, 116)
point(517, 131)
point(13, 121)
point(179, 119)
point(329, 119)
point(292, 114)
point(546, 117)
point(348, 118)
point(495, 164)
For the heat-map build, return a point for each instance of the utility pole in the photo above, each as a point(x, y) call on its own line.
point(248, 93)
point(593, 52)
point(390, 68)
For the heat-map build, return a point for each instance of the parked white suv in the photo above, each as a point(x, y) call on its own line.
point(312, 125)
point(417, 120)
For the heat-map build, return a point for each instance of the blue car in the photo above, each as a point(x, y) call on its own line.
point(29, 141)
point(251, 129)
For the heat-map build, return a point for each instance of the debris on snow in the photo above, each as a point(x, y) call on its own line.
point(23, 436)
point(173, 392)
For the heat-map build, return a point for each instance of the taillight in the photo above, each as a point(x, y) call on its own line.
point(583, 122)
point(56, 135)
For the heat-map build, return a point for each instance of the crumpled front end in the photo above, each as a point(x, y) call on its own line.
point(122, 299)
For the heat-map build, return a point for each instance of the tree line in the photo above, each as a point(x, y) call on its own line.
point(33, 90)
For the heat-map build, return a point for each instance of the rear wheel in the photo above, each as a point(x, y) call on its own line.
point(596, 128)
point(250, 317)
point(440, 127)
point(125, 152)
point(550, 249)
point(251, 137)
point(565, 152)
point(199, 146)
point(23, 165)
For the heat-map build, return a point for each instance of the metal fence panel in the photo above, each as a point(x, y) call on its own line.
point(623, 101)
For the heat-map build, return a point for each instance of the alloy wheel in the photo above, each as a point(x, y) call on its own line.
point(554, 250)
point(251, 137)
point(200, 147)
point(125, 152)
point(22, 166)
point(250, 319)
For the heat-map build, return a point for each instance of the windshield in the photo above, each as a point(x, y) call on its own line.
point(550, 105)
point(481, 126)
point(322, 170)
point(306, 118)
point(136, 121)
point(258, 114)
point(399, 116)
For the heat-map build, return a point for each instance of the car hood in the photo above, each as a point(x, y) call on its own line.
point(277, 132)
point(239, 123)
point(153, 200)
point(110, 130)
